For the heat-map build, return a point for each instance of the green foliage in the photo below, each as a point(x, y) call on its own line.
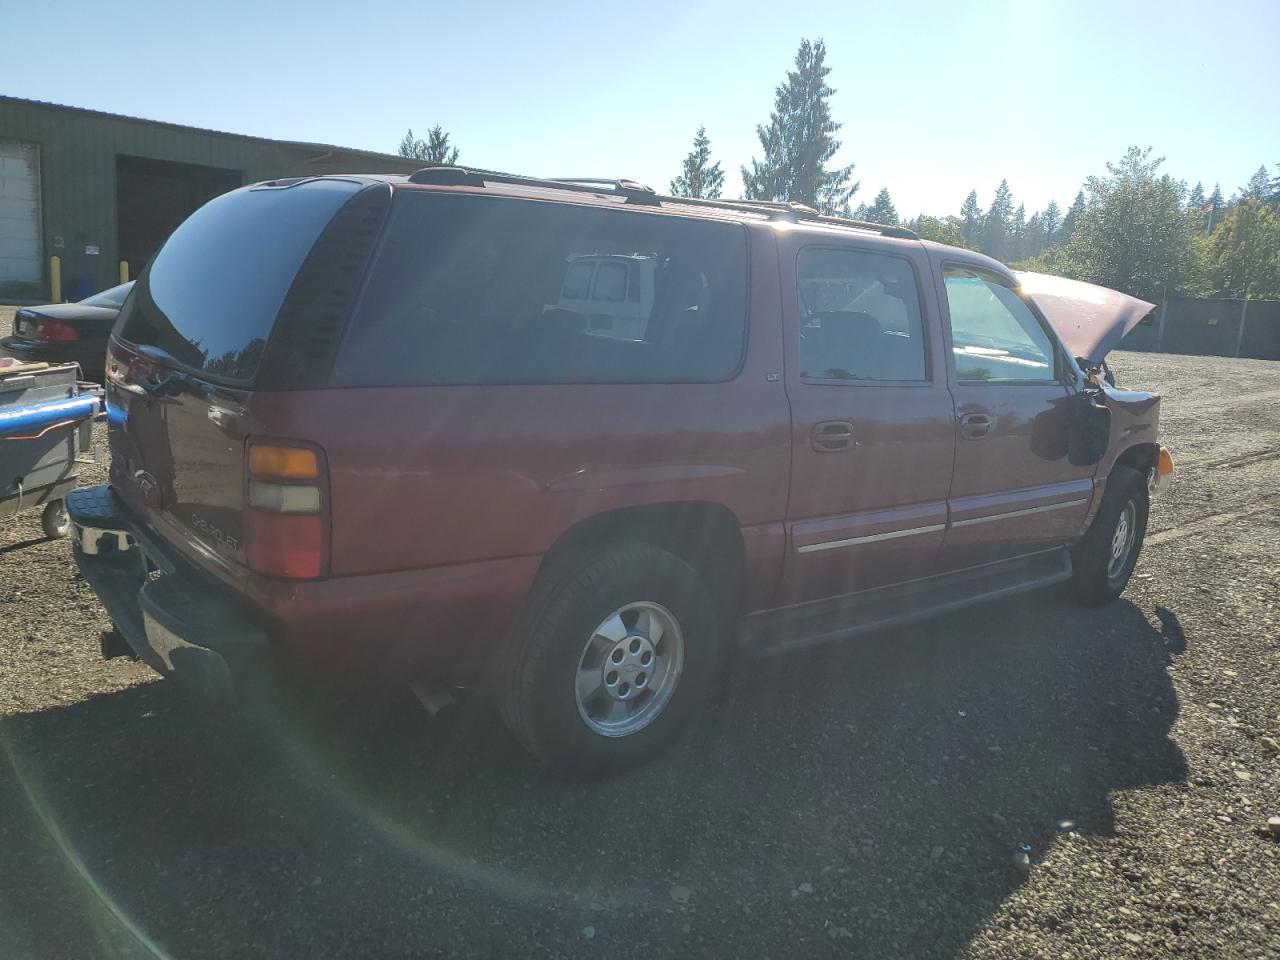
point(700, 178)
point(1051, 220)
point(435, 149)
point(994, 237)
point(971, 215)
point(1259, 186)
point(949, 230)
point(882, 210)
point(800, 140)
point(1074, 213)
point(1133, 234)
point(1217, 206)
point(1242, 257)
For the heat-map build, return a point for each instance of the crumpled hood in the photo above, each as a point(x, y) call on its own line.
point(1091, 320)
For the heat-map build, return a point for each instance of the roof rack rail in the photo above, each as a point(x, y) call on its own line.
point(792, 212)
point(638, 193)
point(444, 175)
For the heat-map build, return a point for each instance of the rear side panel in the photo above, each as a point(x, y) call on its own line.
point(188, 354)
point(426, 476)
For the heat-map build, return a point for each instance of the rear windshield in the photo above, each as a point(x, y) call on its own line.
point(211, 295)
point(501, 290)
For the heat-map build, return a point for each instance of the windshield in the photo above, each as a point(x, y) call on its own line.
point(111, 298)
point(211, 295)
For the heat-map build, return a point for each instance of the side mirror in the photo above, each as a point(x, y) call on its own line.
point(1088, 428)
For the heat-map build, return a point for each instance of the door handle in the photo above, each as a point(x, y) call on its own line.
point(831, 436)
point(975, 426)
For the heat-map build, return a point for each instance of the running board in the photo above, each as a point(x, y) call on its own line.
point(812, 623)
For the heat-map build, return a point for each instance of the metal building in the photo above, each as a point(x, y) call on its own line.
point(97, 190)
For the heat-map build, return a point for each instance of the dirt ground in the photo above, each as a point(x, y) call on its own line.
point(869, 799)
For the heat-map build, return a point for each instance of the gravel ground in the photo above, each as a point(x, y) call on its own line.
point(867, 799)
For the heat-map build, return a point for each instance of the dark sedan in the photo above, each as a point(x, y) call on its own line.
point(67, 332)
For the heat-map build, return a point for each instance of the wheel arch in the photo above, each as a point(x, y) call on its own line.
point(1140, 457)
point(706, 535)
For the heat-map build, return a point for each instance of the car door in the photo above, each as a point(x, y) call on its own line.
point(1013, 491)
point(873, 431)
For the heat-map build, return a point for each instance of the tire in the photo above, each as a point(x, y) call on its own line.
point(1103, 560)
point(55, 521)
point(572, 629)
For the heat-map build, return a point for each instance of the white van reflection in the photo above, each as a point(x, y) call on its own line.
point(613, 291)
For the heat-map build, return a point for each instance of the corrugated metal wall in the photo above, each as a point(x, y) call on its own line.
point(78, 157)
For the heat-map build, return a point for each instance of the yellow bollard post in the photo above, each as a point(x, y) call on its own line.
point(124, 271)
point(55, 279)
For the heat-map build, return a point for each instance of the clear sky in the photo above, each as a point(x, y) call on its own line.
point(936, 98)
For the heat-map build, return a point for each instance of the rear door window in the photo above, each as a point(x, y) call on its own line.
point(501, 290)
point(211, 295)
point(861, 317)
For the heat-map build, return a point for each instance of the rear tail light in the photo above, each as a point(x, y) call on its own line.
point(56, 331)
point(286, 522)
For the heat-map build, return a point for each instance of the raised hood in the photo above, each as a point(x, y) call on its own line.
point(1091, 320)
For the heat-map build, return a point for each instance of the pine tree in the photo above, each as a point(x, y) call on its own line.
point(996, 224)
point(700, 178)
point(1259, 185)
point(882, 210)
point(435, 149)
point(800, 139)
point(1051, 219)
point(971, 214)
point(1035, 237)
point(1018, 234)
point(1195, 199)
point(1069, 222)
point(1216, 208)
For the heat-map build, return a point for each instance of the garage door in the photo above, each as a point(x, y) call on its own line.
point(19, 211)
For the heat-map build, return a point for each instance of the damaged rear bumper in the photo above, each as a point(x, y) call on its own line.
point(173, 618)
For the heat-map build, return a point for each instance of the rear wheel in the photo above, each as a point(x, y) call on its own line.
point(1103, 560)
point(617, 651)
point(55, 521)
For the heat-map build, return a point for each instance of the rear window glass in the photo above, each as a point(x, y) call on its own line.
point(495, 290)
point(211, 295)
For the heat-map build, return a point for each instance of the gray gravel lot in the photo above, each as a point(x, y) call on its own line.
point(866, 799)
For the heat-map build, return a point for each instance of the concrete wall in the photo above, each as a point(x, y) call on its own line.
point(1216, 328)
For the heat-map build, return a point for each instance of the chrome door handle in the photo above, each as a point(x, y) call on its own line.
point(831, 436)
point(975, 426)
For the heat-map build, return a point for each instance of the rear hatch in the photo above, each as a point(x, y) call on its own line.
point(185, 361)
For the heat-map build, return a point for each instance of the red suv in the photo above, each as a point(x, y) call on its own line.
point(576, 439)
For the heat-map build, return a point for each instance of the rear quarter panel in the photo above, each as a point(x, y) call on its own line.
point(423, 477)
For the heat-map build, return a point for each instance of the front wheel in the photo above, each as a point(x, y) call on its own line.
point(616, 653)
point(1103, 560)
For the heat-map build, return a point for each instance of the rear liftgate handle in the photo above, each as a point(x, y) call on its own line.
point(975, 426)
point(832, 436)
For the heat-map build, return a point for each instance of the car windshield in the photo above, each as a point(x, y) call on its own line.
point(111, 298)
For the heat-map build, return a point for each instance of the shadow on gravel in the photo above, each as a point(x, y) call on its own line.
point(865, 799)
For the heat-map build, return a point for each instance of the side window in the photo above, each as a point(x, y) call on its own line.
point(611, 282)
point(994, 335)
point(577, 281)
point(860, 317)
point(499, 290)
